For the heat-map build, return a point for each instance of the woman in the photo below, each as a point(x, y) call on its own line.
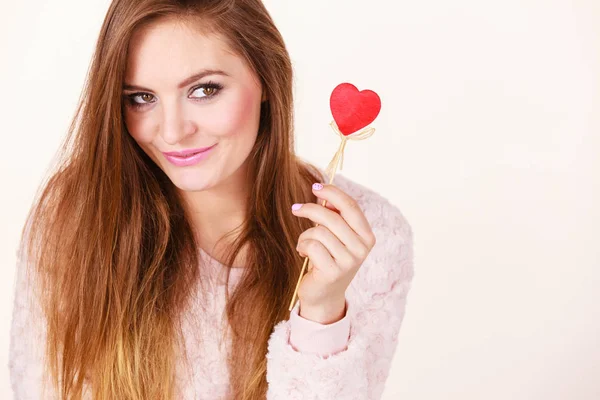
point(160, 258)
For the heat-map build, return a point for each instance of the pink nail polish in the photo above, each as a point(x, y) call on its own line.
point(296, 207)
point(317, 186)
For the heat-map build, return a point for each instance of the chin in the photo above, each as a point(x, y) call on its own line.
point(190, 180)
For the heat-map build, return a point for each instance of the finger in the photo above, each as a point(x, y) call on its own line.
point(336, 248)
point(330, 206)
point(322, 262)
point(332, 221)
point(349, 209)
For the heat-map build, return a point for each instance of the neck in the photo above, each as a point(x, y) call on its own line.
point(217, 211)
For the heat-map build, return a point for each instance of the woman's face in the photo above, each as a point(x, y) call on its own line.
point(184, 90)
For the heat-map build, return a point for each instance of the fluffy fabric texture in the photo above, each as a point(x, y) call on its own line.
point(376, 301)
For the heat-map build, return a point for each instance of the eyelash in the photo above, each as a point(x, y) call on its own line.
point(208, 85)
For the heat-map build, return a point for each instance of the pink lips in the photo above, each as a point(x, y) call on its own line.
point(188, 157)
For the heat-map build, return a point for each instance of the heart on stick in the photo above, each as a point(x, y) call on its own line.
point(353, 110)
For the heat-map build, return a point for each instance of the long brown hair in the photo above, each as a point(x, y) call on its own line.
point(115, 258)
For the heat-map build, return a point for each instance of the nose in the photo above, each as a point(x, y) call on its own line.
point(175, 124)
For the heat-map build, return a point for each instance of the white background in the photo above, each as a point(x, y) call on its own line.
point(488, 141)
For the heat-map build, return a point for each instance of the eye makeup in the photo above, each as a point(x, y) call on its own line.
point(130, 99)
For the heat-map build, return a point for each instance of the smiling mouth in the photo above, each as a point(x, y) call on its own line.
point(187, 155)
point(181, 159)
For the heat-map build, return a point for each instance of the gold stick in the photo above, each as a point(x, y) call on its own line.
point(338, 158)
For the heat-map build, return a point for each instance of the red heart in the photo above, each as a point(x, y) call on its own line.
point(353, 110)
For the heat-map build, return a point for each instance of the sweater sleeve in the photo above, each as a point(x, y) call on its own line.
point(27, 339)
point(376, 300)
point(308, 336)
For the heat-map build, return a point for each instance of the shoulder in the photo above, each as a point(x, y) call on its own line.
point(391, 259)
point(384, 216)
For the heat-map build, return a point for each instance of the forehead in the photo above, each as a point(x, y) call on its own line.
point(168, 50)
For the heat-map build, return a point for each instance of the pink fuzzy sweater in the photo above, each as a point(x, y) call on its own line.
point(349, 359)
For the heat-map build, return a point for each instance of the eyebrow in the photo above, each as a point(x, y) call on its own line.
point(185, 82)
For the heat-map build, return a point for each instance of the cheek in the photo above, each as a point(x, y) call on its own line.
point(238, 117)
point(139, 128)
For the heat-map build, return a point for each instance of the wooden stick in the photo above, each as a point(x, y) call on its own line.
point(338, 158)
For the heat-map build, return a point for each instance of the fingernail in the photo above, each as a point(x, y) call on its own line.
point(317, 186)
point(296, 207)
